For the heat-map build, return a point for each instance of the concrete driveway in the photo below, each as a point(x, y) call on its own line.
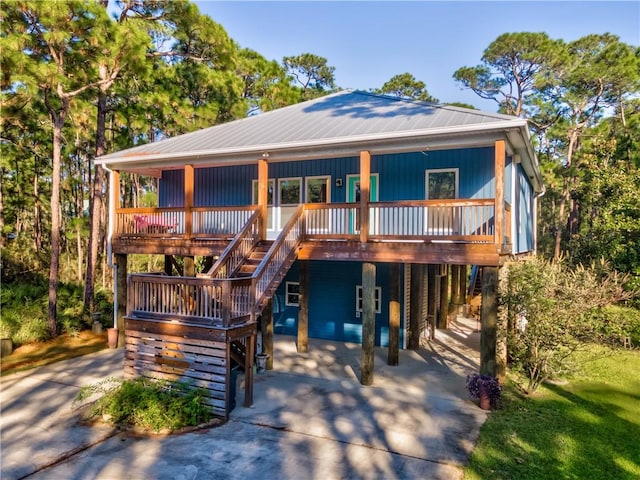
point(310, 419)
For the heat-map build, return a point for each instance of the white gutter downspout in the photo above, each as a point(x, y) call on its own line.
point(114, 266)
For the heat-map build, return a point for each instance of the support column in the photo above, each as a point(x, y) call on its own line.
point(433, 299)
point(168, 265)
point(188, 200)
point(394, 315)
point(303, 309)
point(444, 296)
point(416, 301)
point(462, 284)
point(365, 194)
point(498, 215)
point(368, 322)
point(189, 266)
point(121, 263)
point(248, 370)
point(489, 320)
point(263, 194)
point(266, 326)
point(456, 300)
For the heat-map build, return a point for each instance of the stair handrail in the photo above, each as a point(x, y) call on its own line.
point(281, 250)
point(238, 249)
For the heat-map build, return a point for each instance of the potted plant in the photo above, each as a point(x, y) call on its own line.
point(485, 388)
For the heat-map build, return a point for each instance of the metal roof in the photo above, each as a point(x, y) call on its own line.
point(339, 124)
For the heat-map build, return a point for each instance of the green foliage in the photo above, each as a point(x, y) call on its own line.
point(551, 313)
point(24, 310)
point(150, 404)
point(587, 428)
point(312, 72)
point(405, 85)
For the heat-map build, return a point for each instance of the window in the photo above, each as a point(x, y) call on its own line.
point(290, 191)
point(318, 190)
point(271, 185)
point(292, 294)
point(378, 296)
point(442, 184)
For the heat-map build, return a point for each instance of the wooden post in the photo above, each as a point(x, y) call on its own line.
point(489, 321)
point(263, 194)
point(266, 326)
point(168, 265)
point(121, 262)
point(188, 200)
point(189, 266)
point(462, 284)
point(456, 300)
point(433, 299)
point(444, 296)
point(368, 322)
point(303, 309)
point(500, 158)
point(394, 315)
point(365, 194)
point(248, 370)
point(416, 301)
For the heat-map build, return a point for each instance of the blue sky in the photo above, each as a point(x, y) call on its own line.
point(368, 42)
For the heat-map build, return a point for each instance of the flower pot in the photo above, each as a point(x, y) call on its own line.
point(485, 398)
point(96, 327)
point(112, 336)
point(261, 360)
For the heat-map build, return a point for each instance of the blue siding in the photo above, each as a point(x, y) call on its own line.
point(223, 186)
point(332, 308)
point(524, 212)
point(171, 189)
point(402, 175)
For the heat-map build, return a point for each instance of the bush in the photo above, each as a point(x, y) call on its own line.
point(150, 404)
point(551, 313)
point(616, 324)
point(476, 383)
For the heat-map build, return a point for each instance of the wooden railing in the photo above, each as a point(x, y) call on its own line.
point(236, 252)
point(199, 300)
point(462, 220)
point(282, 251)
point(332, 221)
point(456, 220)
point(207, 222)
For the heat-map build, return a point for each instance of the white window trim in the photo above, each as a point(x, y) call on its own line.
point(280, 180)
point(441, 170)
point(254, 200)
point(377, 296)
point(286, 295)
point(317, 177)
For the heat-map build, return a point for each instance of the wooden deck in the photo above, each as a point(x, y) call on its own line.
point(460, 231)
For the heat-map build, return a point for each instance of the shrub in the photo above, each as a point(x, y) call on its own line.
point(150, 404)
point(550, 311)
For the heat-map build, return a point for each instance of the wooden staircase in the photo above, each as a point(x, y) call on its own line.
point(251, 262)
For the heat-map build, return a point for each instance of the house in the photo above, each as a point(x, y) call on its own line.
point(326, 219)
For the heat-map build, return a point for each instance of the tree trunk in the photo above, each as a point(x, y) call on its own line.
point(565, 196)
point(1, 210)
point(58, 123)
point(96, 204)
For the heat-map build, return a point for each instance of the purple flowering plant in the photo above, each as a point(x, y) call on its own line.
point(476, 383)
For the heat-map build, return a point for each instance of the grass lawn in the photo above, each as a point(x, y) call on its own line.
point(588, 428)
point(65, 346)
